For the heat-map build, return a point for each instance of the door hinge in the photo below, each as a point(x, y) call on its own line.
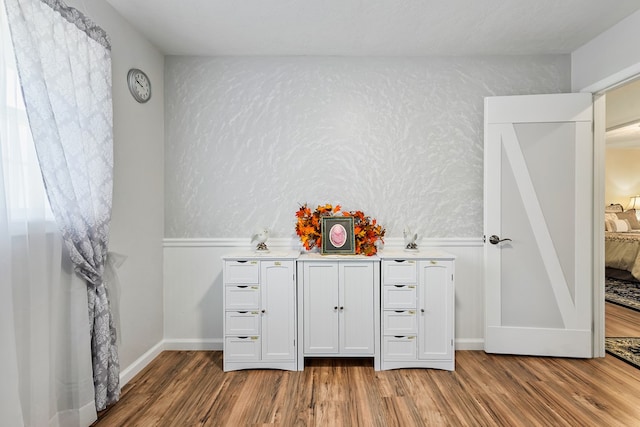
point(451, 342)
point(484, 238)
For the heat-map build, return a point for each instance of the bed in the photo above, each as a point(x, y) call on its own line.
point(622, 245)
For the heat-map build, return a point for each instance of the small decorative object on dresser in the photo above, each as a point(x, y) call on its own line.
point(367, 233)
point(410, 240)
point(261, 236)
point(337, 235)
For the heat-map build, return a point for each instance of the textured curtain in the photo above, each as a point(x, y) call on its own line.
point(45, 355)
point(64, 63)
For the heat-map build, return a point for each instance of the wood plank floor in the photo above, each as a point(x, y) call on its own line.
point(621, 321)
point(188, 388)
point(185, 388)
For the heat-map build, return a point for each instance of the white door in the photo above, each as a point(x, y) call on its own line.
point(278, 310)
point(321, 305)
point(357, 323)
point(538, 171)
point(435, 310)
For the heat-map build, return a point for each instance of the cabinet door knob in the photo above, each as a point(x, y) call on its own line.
point(264, 311)
point(335, 308)
point(422, 310)
point(341, 308)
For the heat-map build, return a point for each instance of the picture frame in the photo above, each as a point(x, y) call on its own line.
point(337, 235)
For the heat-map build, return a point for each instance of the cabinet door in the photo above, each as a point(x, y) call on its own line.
point(357, 323)
point(278, 310)
point(320, 307)
point(435, 310)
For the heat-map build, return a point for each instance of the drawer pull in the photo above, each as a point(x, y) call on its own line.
point(243, 312)
point(399, 311)
point(399, 260)
point(241, 261)
point(243, 338)
point(399, 336)
point(399, 286)
point(242, 286)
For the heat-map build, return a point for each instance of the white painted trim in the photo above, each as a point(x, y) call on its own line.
point(293, 243)
point(193, 344)
point(599, 143)
point(469, 344)
point(141, 362)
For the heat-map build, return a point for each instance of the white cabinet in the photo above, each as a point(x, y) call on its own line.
point(339, 298)
point(417, 310)
point(259, 303)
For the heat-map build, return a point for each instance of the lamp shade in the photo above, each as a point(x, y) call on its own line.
point(634, 203)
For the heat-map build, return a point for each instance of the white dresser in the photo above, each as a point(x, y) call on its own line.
point(417, 310)
point(397, 308)
point(260, 327)
point(338, 305)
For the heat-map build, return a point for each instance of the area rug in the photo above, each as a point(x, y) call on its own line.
point(625, 349)
point(623, 293)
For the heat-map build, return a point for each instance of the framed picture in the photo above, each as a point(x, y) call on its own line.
point(337, 235)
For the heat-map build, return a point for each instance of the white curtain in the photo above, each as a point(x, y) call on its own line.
point(45, 356)
point(64, 64)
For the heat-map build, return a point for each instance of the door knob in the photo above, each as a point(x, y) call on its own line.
point(494, 240)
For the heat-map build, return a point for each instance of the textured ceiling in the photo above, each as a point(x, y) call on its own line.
point(371, 27)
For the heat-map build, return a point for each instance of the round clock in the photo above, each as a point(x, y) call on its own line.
point(139, 85)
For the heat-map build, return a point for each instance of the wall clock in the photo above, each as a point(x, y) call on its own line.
point(139, 85)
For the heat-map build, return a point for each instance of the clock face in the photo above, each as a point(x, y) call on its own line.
point(139, 85)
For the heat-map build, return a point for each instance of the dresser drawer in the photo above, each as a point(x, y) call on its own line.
point(242, 348)
point(242, 297)
point(399, 296)
point(399, 271)
point(399, 348)
point(399, 322)
point(239, 271)
point(242, 322)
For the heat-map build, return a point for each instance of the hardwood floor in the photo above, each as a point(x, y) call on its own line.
point(621, 321)
point(188, 388)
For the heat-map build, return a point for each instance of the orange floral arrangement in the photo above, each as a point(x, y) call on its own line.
point(366, 230)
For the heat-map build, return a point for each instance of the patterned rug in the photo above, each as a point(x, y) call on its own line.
point(625, 349)
point(622, 293)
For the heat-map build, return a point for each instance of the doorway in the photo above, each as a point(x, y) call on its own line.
point(621, 184)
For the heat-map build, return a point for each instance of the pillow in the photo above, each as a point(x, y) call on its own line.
point(630, 216)
point(610, 217)
point(621, 226)
point(608, 225)
point(613, 208)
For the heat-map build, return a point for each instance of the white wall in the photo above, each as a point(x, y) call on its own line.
point(249, 138)
point(137, 226)
point(608, 59)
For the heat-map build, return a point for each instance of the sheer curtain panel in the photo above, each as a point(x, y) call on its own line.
point(45, 357)
point(64, 64)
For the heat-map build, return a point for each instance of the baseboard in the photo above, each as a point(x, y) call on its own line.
point(136, 367)
point(469, 344)
point(193, 344)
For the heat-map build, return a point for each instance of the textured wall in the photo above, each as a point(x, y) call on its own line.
point(248, 139)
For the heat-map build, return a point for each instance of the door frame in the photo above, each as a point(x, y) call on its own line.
point(599, 91)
